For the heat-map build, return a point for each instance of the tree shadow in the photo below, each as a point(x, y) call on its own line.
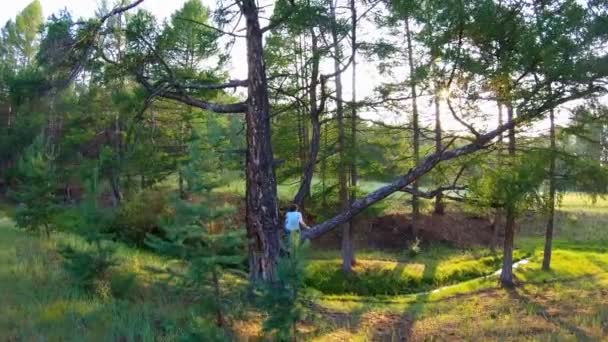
point(522, 296)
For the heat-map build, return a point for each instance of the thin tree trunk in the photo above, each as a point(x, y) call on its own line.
point(347, 243)
point(415, 128)
point(315, 111)
point(498, 211)
point(262, 215)
point(220, 321)
point(354, 177)
point(439, 205)
point(550, 219)
point(506, 275)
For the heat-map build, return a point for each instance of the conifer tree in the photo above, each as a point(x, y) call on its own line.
point(208, 254)
point(284, 301)
point(35, 192)
point(90, 266)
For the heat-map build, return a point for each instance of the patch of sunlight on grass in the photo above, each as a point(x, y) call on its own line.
point(58, 309)
point(574, 201)
point(564, 264)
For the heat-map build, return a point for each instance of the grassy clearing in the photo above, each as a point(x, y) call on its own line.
point(570, 302)
point(375, 274)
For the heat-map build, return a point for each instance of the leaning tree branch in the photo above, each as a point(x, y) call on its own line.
point(180, 96)
point(428, 163)
point(434, 193)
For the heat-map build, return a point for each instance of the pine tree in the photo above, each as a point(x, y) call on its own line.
point(35, 192)
point(89, 267)
point(285, 299)
point(208, 254)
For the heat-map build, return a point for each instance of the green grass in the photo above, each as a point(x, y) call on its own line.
point(375, 274)
point(39, 302)
point(390, 295)
point(573, 293)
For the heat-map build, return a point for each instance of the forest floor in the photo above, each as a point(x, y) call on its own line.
point(443, 292)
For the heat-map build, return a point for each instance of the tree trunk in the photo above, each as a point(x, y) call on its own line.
point(415, 128)
point(354, 177)
point(315, 111)
point(550, 219)
point(439, 205)
point(497, 212)
point(347, 243)
point(262, 217)
point(506, 275)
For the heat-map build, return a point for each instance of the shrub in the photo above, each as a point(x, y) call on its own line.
point(142, 215)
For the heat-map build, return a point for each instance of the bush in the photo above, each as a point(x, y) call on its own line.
point(142, 214)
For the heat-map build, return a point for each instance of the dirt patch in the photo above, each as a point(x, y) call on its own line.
point(395, 232)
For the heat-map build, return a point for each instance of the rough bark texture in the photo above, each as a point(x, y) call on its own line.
point(506, 275)
point(551, 216)
point(415, 128)
point(261, 198)
point(347, 241)
point(439, 205)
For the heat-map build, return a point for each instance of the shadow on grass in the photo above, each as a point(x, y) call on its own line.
point(522, 296)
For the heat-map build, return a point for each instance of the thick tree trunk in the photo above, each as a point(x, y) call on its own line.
point(415, 128)
point(439, 205)
point(551, 217)
point(262, 217)
point(506, 275)
point(347, 242)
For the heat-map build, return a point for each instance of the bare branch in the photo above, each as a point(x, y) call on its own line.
point(211, 27)
point(434, 193)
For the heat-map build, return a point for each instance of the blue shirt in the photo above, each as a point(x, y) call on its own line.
point(292, 221)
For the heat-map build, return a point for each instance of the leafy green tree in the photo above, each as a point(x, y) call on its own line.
point(21, 36)
point(516, 185)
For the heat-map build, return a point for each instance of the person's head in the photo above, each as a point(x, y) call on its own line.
point(293, 207)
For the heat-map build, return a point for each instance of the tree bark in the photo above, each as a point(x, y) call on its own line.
point(262, 215)
point(506, 275)
point(415, 128)
point(551, 217)
point(439, 205)
point(347, 242)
